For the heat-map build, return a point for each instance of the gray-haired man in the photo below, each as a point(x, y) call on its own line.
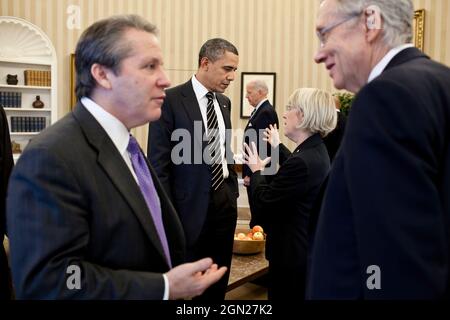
point(383, 229)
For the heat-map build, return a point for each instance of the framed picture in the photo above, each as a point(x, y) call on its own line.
point(268, 77)
point(73, 96)
point(419, 28)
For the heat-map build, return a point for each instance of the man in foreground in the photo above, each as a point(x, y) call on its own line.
point(87, 216)
point(383, 229)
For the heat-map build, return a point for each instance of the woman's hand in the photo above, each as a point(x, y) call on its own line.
point(272, 136)
point(251, 158)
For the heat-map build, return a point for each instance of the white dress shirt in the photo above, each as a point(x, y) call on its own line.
point(200, 93)
point(379, 68)
point(120, 136)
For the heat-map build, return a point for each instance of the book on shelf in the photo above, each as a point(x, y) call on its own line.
point(10, 99)
point(39, 78)
point(28, 124)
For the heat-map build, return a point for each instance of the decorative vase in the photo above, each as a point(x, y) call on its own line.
point(11, 79)
point(38, 104)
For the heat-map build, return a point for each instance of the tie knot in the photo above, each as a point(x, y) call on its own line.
point(133, 146)
point(210, 96)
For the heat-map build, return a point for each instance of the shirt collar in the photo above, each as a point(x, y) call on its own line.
point(261, 103)
point(115, 129)
point(199, 89)
point(386, 59)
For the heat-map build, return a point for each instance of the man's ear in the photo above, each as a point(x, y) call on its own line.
point(101, 75)
point(373, 21)
point(204, 63)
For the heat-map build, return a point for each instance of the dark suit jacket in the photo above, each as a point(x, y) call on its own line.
point(333, 139)
point(387, 203)
point(6, 165)
point(188, 183)
point(286, 201)
point(263, 117)
point(73, 201)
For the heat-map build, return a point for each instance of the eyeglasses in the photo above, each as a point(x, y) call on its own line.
point(324, 33)
point(289, 107)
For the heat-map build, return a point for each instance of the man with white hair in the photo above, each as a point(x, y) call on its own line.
point(383, 231)
point(261, 117)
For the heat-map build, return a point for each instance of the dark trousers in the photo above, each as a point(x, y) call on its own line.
point(216, 238)
point(253, 219)
point(5, 282)
point(256, 216)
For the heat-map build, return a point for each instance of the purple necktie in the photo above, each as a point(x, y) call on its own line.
point(148, 191)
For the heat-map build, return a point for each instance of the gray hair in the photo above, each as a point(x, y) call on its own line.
point(103, 43)
point(318, 107)
point(258, 84)
point(214, 49)
point(397, 16)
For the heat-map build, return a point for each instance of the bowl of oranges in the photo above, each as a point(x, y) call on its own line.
point(249, 241)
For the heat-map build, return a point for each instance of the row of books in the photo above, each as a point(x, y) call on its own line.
point(10, 99)
point(28, 124)
point(38, 78)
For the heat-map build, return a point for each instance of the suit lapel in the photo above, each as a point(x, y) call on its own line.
point(172, 224)
point(225, 109)
point(190, 104)
point(115, 167)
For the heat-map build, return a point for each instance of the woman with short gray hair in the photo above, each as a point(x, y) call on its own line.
point(286, 200)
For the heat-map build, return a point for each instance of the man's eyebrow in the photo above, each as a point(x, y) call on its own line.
point(151, 60)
